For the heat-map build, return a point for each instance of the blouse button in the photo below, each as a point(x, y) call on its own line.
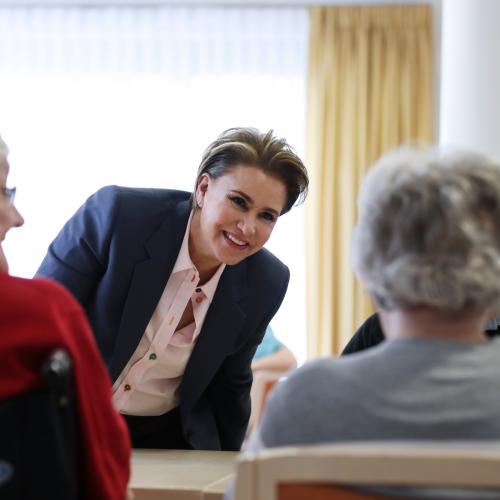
point(152, 356)
point(127, 387)
point(198, 290)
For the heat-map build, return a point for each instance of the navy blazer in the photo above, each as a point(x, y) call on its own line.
point(116, 255)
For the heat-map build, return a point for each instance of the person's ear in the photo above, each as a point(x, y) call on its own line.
point(492, 314)
point(201, 189)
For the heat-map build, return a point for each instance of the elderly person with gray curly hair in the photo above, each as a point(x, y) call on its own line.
point(427, 247)
point(370, 332)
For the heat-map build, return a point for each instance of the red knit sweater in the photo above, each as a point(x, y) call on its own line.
point(37, 316)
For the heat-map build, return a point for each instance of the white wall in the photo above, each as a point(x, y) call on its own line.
point(90, 97)
point(470, 79)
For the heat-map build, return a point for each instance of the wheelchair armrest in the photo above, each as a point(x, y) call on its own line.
point(57, 375)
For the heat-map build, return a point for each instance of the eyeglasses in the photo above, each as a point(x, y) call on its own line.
point(10, 194)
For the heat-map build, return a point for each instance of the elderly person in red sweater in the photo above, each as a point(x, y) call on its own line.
point(36, 317)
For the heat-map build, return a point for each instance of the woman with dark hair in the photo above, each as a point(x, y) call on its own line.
point(179, 289)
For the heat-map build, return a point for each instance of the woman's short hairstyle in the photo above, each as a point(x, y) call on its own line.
point(428, 230)
point(249, 147)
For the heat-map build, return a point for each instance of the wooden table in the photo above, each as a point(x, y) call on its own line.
point(181, 474)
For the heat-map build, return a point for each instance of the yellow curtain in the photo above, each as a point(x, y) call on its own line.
point(370, 88)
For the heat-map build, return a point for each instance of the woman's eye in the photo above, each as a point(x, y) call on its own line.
point(237, 200)
point(268, 216)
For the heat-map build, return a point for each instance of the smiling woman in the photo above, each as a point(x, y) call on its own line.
point(237, 213)
point(179, 289)
point(246, 180)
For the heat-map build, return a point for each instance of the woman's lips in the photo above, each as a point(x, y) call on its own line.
point(235, 242)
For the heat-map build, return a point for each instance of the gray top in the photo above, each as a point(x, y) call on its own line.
point(408, 389)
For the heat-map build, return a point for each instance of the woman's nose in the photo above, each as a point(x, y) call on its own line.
point(247, 226)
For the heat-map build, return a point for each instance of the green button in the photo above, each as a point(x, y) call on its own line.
point(152, 356)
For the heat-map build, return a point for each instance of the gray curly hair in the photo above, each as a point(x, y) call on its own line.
point(428, 230)
point(4, 150)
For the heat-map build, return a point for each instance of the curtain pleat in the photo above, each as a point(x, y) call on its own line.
point(369, 89)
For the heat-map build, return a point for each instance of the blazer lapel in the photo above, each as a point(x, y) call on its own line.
point(148, 281)
point(222, 324)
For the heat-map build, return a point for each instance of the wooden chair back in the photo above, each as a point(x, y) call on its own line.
point(323, 472)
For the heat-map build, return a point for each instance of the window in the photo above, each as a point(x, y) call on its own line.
point(132, 96)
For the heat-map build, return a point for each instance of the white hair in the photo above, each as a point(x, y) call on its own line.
point(428, 230)
point(4, 150)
